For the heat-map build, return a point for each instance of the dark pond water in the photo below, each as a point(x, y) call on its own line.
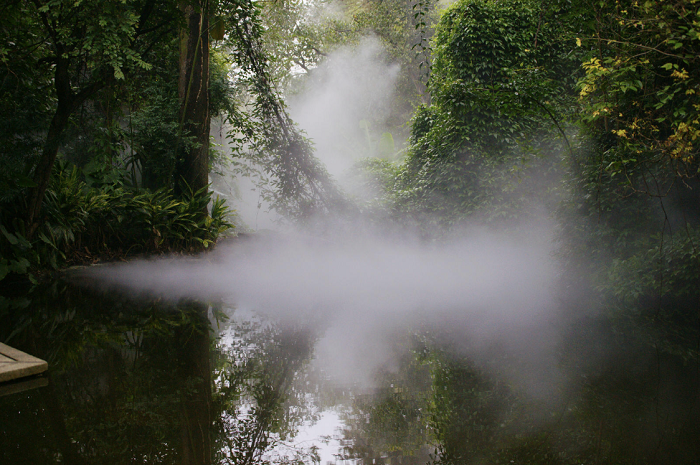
point(142, 380)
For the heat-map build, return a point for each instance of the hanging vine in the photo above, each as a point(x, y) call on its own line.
point(421, 10)
point(290, 178)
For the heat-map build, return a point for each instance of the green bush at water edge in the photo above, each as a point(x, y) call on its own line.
point(84, 223)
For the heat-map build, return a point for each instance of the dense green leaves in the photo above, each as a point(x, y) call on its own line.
point(502, 91)
point(608, 89)
point(84, 224)
point(272, 149)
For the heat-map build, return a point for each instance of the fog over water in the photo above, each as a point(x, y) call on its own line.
point(361, 291)
point(546, 314)
point(360, 288)
point(355, 83)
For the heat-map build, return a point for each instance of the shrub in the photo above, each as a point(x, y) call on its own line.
point(83, 224)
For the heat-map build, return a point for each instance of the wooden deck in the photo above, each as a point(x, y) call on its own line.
point(15, 364)
point(22, 384)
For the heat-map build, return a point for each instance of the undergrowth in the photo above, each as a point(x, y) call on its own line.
point(83, 224)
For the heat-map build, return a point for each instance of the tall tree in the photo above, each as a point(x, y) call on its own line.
point(500, 90)
point(89, 44)
point(192, 169)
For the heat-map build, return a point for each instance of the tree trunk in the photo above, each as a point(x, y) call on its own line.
point(70, 453)
point(194, 374)
point(42, 172)
point(68, 102)
point(192, 169)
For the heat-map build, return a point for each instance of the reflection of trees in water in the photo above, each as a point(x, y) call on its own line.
point(389, 422)
point(131, 382)
point(145, 382)
point(636, 407)
point(262, 394)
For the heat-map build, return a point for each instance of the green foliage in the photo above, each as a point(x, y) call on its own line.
point(83, 223)
point(131, 377)
point(298, 35)
point(154, 134)
point(138, 348)
point(393, 420)
point(81, 69)
point(120, 219)
point(506, 82)
point(608, 411)
point(99, 33)
point(386, 147)
point(382, 147)
point(405, 29)
point(14, 259)
point(496, 64)
point(270, 148)
point(478, 418)
point(632, 213)
point(641, 83)
point(262, 386)
point(651, 295)
point(25, 100)
point(501, 85)
point(638, 94)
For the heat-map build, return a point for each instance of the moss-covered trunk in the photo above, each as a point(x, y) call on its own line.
point(192, 167)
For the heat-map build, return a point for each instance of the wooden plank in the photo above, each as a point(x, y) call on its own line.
point(16, 364)
point(21, 385)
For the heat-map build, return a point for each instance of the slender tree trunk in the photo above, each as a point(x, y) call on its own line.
point(193, 153)
point(57, 422)
point(68, 102)
point(194, 374)
point(42, 172)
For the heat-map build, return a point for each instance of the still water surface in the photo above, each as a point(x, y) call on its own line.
point(137, 379)
point(141, 380)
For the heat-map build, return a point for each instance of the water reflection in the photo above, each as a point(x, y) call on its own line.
point(264, 392)
point(134, 379)
point(146, 381)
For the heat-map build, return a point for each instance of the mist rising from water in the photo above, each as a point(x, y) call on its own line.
point(354, 84)
point(482, 290)
point(360, 290)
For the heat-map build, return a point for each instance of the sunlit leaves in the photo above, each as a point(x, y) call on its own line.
point(644, 70)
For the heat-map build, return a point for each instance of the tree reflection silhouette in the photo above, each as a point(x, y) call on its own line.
point(140, 380)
